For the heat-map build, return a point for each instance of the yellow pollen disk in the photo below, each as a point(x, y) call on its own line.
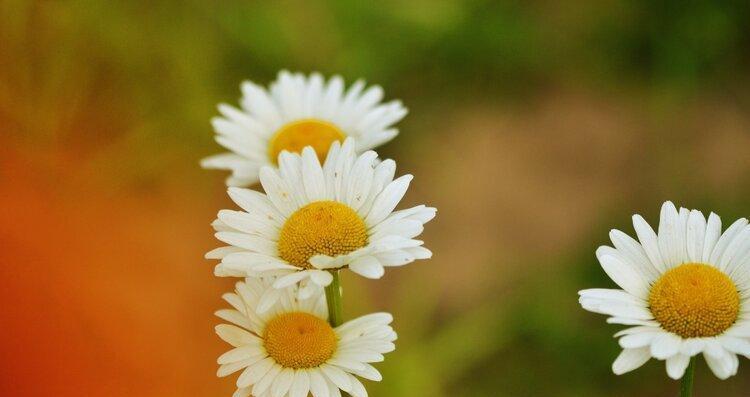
point(694, 300)
point(321, 228)
point(299, 340)
point(295, 136)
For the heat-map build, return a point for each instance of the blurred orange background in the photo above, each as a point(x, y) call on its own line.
point(532, 128)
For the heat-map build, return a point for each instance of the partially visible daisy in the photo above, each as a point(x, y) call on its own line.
point(317, 218)
point(684, 290)
point(298, 111)
point(291, 350)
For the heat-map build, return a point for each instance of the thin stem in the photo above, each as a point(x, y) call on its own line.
point(686, 388)
point(335, 306)
point(333, 297)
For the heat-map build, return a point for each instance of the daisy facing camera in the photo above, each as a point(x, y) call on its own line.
point(316, 219)
point(297, 111)
point(291, 350)
point(684, 292)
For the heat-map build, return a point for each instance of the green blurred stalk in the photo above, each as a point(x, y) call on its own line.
point(686, 387)
point(335, 306)
point(333, 298)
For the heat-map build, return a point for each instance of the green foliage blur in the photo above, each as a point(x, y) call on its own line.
point(133, 84)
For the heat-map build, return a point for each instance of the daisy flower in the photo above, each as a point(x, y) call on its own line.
point(684, 292)
point(291, 350)
point(316, 218)
point(298, 111)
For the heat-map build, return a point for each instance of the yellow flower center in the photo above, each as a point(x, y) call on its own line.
point(299, 340)
point(323, 227)
point(295, 136)
point(694, 300)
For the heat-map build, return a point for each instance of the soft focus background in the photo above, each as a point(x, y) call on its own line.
point(534, 127)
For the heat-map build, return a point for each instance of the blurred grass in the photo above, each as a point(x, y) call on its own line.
point(124, 90)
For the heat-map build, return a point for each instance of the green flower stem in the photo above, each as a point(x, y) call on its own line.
point(686, 388)
point(333, 297)
point(335, 307)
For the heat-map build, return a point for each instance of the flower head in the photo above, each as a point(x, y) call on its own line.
point(316, 218)
point(291, 350)
point(295, 112)
point(684, 292)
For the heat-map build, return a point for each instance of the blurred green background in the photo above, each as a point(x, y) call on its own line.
point(534, 128)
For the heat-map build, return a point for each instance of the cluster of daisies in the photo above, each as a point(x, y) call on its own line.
point(685, 291)
point(326, 202)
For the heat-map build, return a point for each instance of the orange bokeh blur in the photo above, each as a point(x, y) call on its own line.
point(104, 293)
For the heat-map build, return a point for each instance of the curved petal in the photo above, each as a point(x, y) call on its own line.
point(630, 359)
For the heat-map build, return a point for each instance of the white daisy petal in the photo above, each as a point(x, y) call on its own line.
point(367, 266)
point(387, 200)
point(337, 376)
point(383, 175)
point(278, 191)
point(267, 380)
point(368, 372)
point(224, 161)
point(726, 238)
point(321, 278)
point(676, 365)
point(301, 385)
point(360, 180)
point(332, 97)
point(740, 329)
point(318, 385)
point(290, 171)
point(736, 252)
point(735, 345)
point(240, 353)
point(248, 241)
point(633, 253)
point(254, 373)
point(333, 389)
point(623, 274)
point(286, 281)
point(396, 257)
point(282, 383)
point(691, 347)
point(713, 232)
point(233, 335)
point(235, 301)
point(418, 252)
point(234, 317)
point(342, 167)
point(649, 242)
point(630, 359)
point(347, 364)
point(669, 235)
point(636, 330)
point(631, 321)
point(665, 345)
point(244, 392)
point(722, 364)
point(218, 253)
point(696, 236)
point(269, 297)
point(614, 303)
point(257, 204)
point(312, 176)
point(258, 103)
point(228, 369)
point(357, 390)
point(640, 339)
point(247, 223)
